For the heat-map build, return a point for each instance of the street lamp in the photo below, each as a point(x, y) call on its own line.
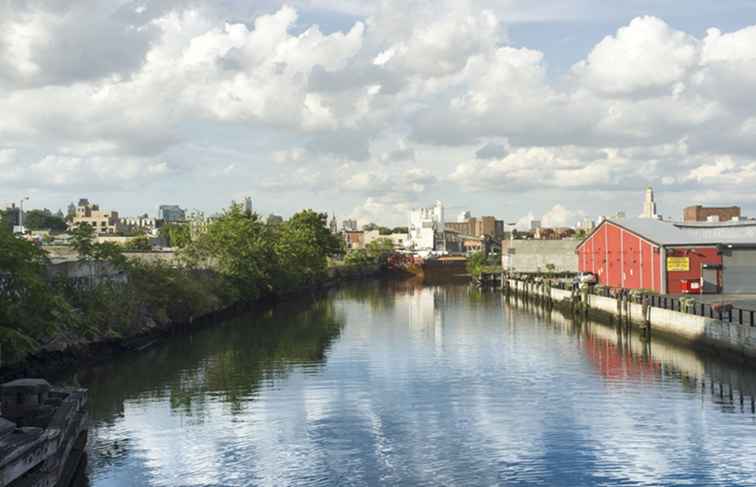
point(21, 213)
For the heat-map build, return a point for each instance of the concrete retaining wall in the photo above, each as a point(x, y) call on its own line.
point(536, 255)
point(711, 333)
point(93, 272)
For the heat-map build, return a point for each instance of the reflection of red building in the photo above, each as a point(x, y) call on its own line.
point(614, 363)
point(668, 257)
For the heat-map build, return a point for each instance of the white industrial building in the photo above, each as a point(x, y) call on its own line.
point(425, 225)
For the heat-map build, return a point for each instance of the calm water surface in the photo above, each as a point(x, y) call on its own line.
point(399, 384)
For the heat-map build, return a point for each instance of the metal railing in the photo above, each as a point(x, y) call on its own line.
point(721, 312)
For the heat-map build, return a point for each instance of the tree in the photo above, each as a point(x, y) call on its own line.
point(82, 239)
point(380, 250)
point(303, 245)
point(110, 252)
point(30, 309)
point(176, 234)
point(240, 247)
point(6, 222)
point(139, 244)
point(358, 257)
point(475, 263)
point(43, 220)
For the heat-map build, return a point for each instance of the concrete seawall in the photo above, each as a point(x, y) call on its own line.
point(732, 339)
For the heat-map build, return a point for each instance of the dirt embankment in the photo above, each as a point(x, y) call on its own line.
point(55, 361)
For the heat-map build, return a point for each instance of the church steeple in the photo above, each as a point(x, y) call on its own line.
point(333, 225)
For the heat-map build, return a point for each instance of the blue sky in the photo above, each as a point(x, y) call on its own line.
point(367, 109)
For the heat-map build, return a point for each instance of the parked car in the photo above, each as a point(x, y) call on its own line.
point(588, 278)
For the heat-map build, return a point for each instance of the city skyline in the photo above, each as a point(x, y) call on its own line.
point(351, 108)
point(557, 216)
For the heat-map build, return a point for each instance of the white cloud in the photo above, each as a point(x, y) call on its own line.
point(442, 46)
point(398, 101)
point(538, 167)
point(94, 173)
point(735, 46)
point(724, 171)
point(645, 55)
point(557, 216)
point(7, 156)
point(388, 209)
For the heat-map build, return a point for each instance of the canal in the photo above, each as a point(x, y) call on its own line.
point(395, 383)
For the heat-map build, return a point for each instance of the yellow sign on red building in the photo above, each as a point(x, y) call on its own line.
point(678, 264)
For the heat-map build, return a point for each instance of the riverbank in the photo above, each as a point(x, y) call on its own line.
point(53, 360)
point(730, 340)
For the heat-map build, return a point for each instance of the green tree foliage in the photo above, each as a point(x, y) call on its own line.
point(379, 250)
point(238, 258)
point(302, 246)
point(240, 247)
point(358, 257)
point(110, 252)
point(138, 244)
point(5, 221)
point(475, 263)
point(9, 218)
point(177, 235)
point(43, 220)
point(260, 259)
point(29, 310)
point(384, 230)
point(376, 252)
point(82, 240)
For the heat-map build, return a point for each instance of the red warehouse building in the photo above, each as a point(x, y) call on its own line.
point(672, 257)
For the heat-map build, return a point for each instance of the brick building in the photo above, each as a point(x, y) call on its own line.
point(354, 239)
point(701, 213)
point(478, 226)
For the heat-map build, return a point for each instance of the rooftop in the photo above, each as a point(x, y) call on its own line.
point(677, 233)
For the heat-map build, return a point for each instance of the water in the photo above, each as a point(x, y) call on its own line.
point(398, 384)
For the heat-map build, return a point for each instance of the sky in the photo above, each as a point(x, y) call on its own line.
point(557, 110)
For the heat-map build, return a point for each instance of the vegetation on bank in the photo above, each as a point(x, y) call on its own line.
point(479, 263)
point(375, 252)
point(240, 258)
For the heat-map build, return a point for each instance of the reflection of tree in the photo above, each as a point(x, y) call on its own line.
point(226, 361)
point(269, 354)
point(379, 294)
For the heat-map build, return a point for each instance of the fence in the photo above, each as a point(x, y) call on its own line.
point(722, 312)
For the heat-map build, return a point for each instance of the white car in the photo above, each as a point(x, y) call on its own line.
point(587, 278)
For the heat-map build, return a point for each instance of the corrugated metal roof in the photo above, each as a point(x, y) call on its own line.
point(675, 233)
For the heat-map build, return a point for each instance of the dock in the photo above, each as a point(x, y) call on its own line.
point(43, 433)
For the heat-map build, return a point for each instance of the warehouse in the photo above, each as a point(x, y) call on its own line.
point(667, 257)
